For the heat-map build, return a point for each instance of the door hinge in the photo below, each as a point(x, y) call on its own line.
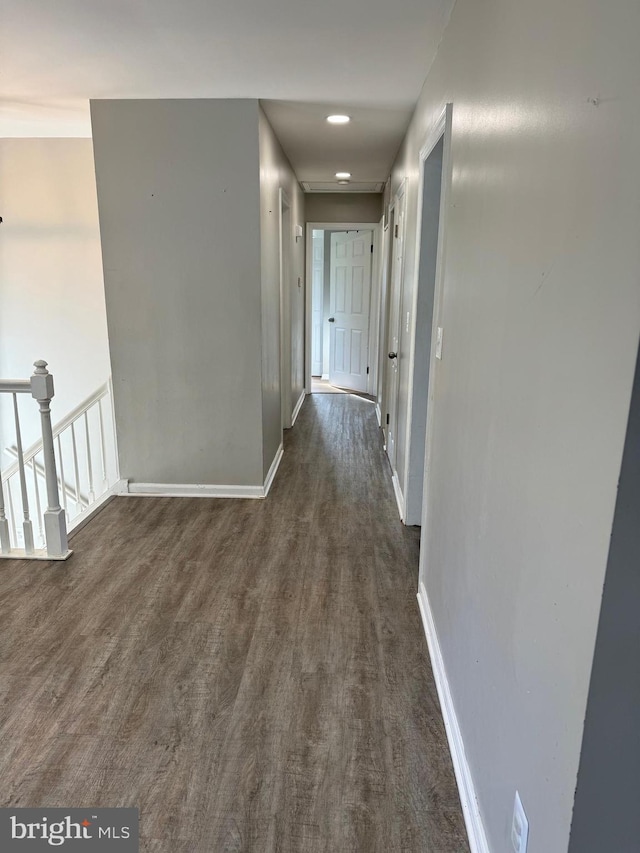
point(367, 370)
point(372, 248)
point(396, 231)
point(387, 418)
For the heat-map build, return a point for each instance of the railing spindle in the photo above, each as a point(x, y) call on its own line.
point(103, 449)
point(5, 542)
point(92, 495)
point(74, 448)
point(62, 480)
point(27, 527)
point(12, 514)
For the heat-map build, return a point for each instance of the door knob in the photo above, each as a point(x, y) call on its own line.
point(393, 355)
point(332, 319)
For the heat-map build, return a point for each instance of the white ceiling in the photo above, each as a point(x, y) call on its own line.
point(368, 58)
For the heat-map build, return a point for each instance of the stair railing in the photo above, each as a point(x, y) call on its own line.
point(40, 387)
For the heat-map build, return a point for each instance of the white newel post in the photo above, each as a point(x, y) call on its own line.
point(55, 524)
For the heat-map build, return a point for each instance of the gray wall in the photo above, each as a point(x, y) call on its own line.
point(51, 287)
point(606, 814)
point(541, 320)
point(179, 200)
point(343, 207)
point(276, 173)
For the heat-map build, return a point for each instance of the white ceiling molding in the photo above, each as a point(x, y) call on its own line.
point(334, 187)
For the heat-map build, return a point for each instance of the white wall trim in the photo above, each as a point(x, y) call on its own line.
point(207, 490)
point(298, 406)
point(468, 799)
point(325, 377)
point(378, 414)
point(398, 493)
point(194, 490)
point(120, 488)
point(271, 474)
point(374, 311)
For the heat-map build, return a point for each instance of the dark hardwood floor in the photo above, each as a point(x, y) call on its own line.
point(252, 675)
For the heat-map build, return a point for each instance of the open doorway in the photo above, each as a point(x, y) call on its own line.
point(410, 324)
point(394, 345)
point(428, 229)
point(426, 349)
point(343, 309)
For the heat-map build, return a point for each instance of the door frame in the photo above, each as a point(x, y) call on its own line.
point(285, 258)
point(312, 296)
point(413, 505)
point(444, 127)
point(383, 309)
point(398, 203)
point(374, 227)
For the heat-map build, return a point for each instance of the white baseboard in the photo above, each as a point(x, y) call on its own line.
point(194, 490)
point(398, 493)
point(208, 490)
point(296, 411)
point(378, 415)
point(38, 554)
point(120, 488)
point(468, 799)
point(325, 376)
point(273, 469)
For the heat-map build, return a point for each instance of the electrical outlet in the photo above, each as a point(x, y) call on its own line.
point(519, 827)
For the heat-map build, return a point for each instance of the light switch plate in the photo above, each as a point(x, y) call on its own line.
point(439, 342)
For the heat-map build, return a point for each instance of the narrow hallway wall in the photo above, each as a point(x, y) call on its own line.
point(541, 318)
point(275, 174)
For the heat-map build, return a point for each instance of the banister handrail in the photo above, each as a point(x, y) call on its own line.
point(15, 386)
point(60, 427)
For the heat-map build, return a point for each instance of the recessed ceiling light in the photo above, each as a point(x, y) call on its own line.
point(338, 119)
point(343, 174)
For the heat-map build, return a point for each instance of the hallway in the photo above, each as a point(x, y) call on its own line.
point(253, 675)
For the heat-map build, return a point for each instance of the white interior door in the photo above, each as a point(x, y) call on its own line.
point(393, 340)
point(317, 288)
point(350, 296)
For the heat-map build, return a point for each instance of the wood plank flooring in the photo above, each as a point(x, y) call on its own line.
point(252, 675)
